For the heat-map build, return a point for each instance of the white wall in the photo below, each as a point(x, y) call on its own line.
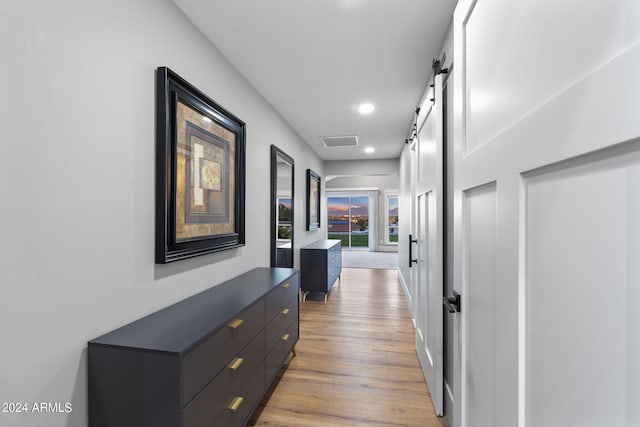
point(77, 173)
point(405, 218)
point(354, 182)
point(362, 167)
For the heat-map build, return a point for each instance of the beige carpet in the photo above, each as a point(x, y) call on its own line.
point(364, 259)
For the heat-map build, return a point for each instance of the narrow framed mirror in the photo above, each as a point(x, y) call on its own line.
point(282, 173)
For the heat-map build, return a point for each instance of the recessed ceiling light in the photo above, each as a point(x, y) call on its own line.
point(206, 119)
point(366, 108)
point(369, 150)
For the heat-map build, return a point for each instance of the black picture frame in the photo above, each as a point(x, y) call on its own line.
point(200, 172)
point(313, 200)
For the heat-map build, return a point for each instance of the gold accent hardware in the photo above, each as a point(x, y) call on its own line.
point(284, 311)
point(235, 324)
point(285, 285)
point(285, 337)
point(236, 363)
point(237, 401)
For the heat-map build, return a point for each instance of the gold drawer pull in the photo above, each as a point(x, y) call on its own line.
point(284, 311)
point(236, 363)
point(235, 324)
point(237, 401)
point(285, 285)
point(285, 337)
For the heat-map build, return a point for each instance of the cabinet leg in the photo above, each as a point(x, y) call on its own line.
point(326, 295)
point(293, 351)
point(304, 296)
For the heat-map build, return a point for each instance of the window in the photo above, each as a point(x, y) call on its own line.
point(391, 219)
point(348, 220)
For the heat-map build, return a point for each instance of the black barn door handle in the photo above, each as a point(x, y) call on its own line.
point(411, 259)
point(453, 304)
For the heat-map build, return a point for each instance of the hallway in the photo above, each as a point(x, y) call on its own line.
point(356, 363)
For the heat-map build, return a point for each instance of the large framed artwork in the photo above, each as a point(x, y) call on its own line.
point(200, 169)
point(313, 200)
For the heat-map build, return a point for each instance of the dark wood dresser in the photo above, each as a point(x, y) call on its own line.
point(207, 360)
point(320, 266)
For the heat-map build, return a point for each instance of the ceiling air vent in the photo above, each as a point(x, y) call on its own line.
point(339, 141)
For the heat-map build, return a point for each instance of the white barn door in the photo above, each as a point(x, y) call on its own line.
point(429, 202)
point(547, 213)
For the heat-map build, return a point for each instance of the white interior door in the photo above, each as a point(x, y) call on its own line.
point(546, 210)
point(430, 230)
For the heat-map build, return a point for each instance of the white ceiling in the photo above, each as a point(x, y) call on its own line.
point(315, 61)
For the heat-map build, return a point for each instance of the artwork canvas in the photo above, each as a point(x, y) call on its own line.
point(200, 168)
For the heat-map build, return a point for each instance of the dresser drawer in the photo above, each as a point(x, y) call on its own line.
point(331, 280)
point(335, 252)
point(281, 295)
point(250, 394)
point(204, 362)
point(334, 267)
point(279, 324)
point(283, 346)
point(209, 404)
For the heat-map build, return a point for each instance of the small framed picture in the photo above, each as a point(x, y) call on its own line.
point(313, 200)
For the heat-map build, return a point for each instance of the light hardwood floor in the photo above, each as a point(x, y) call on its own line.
point(355, 363)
